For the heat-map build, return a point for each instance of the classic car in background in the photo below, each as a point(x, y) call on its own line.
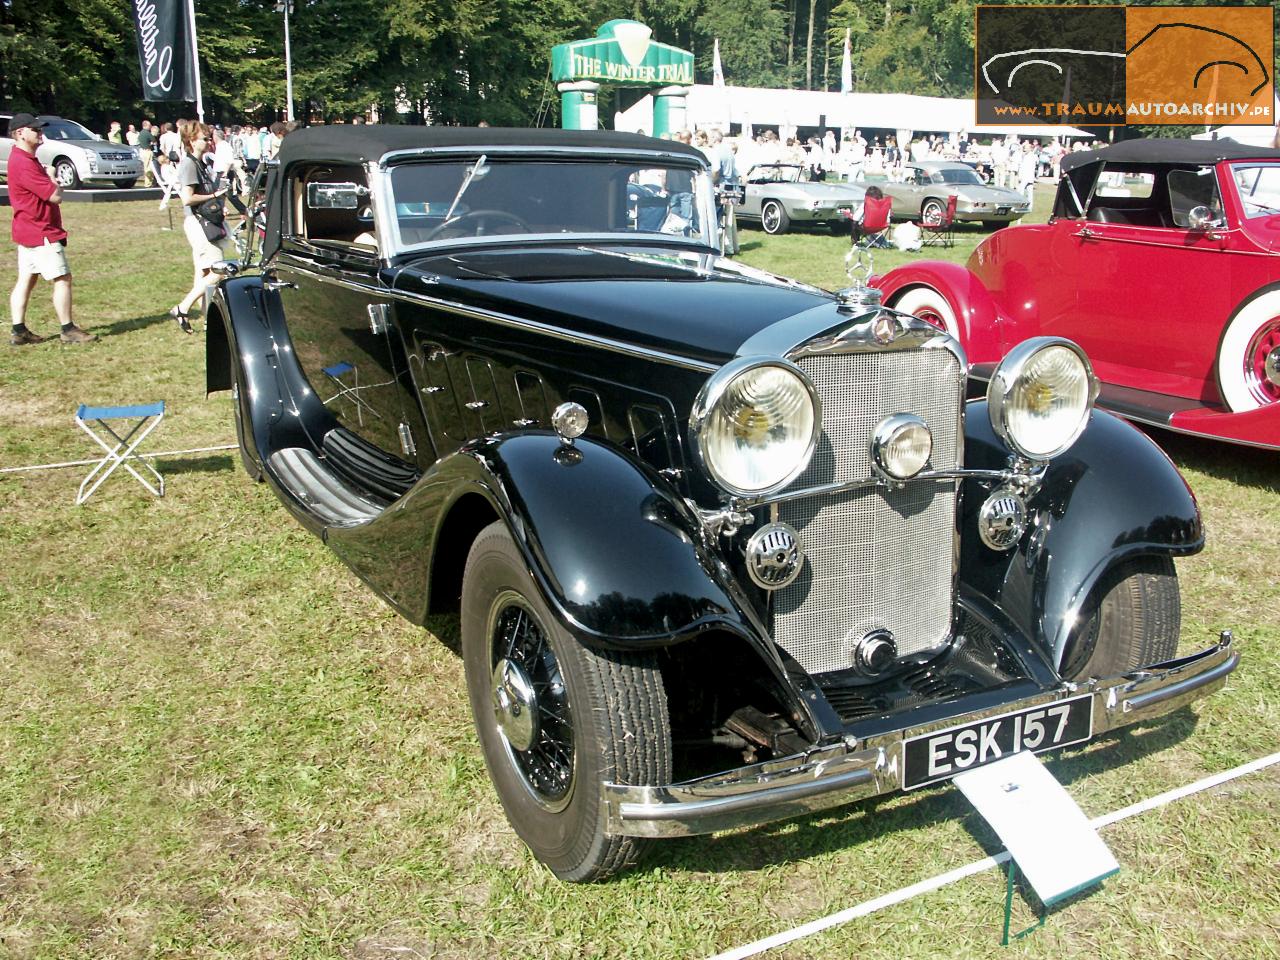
point(778, 196)
point(925, 187)
point(725, 548)
point(1162, 260)
point(78, 156)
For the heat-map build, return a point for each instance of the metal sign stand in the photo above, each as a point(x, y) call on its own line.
point(1048, 837)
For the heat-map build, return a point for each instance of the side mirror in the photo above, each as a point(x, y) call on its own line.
point(1201, 218)
point(335, 196)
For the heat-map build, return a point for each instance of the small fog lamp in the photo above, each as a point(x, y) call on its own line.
point(901, 445)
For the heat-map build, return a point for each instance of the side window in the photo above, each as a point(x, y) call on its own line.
point(1119, 183)
point(1193, 188)
point(320, 217)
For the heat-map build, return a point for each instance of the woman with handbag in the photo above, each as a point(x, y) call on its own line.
point(202, 217)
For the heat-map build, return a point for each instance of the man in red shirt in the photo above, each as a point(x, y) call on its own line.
point(37, 230)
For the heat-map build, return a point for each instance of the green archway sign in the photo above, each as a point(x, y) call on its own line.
point(624, 53)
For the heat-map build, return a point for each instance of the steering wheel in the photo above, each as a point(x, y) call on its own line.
point(481, 216)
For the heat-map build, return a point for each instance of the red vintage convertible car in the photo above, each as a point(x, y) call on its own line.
point(1162, 260)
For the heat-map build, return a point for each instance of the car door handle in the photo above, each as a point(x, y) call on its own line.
point(279, 285)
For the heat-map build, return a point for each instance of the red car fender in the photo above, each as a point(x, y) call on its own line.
point(977, 318)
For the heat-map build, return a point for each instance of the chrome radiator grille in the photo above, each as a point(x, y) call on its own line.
point(875, 557)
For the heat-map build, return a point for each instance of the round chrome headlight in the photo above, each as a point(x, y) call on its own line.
point(755, 425)
point(901, 445)
point(1041, 395)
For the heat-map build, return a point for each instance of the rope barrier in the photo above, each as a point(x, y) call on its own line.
point(85, 463)
point(980, 866)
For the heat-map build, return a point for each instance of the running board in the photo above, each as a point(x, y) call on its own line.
point(328, 497)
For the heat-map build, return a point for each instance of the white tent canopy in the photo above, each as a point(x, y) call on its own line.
point(710, 106)
point(1254, 136)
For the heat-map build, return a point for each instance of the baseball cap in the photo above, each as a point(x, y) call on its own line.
point(20, 120)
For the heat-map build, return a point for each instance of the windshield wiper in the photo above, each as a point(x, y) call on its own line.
point(477, 169)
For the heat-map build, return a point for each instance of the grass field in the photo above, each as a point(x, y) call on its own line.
point(215, 742)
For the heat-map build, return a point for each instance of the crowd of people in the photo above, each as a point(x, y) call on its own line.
point(1010, 162)
point(203, 164)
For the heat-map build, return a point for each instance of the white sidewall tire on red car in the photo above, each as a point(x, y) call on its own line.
point(928, 304)
point(1242, 339)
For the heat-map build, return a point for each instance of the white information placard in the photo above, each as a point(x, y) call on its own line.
point(1045, 832)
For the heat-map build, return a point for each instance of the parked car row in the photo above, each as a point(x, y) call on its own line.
point(778, 196)
point(725, 547)
point(77, 155)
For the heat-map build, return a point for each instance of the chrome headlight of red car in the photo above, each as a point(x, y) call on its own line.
point(1041, 396)
point(755, 425)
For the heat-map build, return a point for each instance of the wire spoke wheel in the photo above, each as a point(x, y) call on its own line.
point(530, 703)
point(556, 718)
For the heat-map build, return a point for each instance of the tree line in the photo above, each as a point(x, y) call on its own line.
point(467, 60)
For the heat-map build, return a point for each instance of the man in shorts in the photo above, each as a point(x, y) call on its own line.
point(37, 230)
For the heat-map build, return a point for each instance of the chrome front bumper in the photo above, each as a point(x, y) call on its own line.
point(855, 769)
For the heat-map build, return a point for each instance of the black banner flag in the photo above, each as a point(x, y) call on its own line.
point(165, 49)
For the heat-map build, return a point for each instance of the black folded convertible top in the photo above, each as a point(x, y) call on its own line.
point(1160, 150)
point(358, 144)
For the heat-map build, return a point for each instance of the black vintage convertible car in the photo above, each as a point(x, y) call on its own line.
point(726, 548)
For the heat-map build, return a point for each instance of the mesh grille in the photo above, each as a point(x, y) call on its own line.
point(876, 558)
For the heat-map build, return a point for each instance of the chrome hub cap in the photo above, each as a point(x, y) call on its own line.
point(1262, 363)
point(515, 705)
point(1271, 366)
point(530, 703)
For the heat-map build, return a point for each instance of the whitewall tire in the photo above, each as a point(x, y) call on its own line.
point(929, 305)
point(1248, 365)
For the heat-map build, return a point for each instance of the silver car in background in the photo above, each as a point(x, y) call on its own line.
point(925, 188)
point(78, 156)
point(777, 196)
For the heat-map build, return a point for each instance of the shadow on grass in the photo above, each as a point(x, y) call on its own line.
point(843, 827)
point(447, 628)
point(1249, 466)
point(134, 323)
point(209, 463)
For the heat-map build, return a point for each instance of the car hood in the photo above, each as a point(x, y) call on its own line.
point(693, 304)
point(835, 192)
point(51, 148)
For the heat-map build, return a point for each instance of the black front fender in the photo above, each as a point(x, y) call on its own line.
point(617, 551)
point(1114, 495)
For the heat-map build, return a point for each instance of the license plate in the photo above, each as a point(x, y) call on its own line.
point(934, 757)
point(1002, 210)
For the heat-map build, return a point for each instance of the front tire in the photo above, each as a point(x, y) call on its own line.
point(774, 218)
point(1132, 621)
point(1248, 364)
point(556, 719)
point(931, 306)
point(932, 211)
point(64, 172)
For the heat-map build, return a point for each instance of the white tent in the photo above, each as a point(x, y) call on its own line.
point(711, 106)
point(1253, 136)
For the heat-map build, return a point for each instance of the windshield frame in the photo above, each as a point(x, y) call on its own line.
point(388, 224)
point(1234, 166)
